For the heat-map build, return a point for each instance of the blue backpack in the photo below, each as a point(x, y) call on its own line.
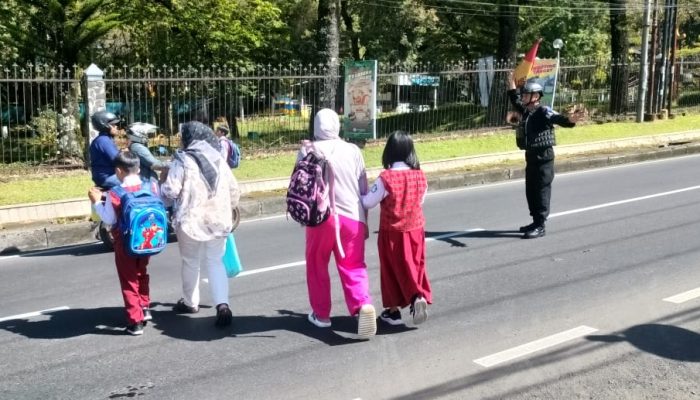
point(234, 154)
point(143, 222)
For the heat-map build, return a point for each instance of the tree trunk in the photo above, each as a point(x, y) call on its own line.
point(327, 40)
point(508, 30)
point(70, 143)
point(619, 45)
point(347, 21)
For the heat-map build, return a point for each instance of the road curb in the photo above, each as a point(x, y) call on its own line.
point(50, 235)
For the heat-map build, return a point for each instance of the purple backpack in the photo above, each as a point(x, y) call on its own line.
point(310, 189)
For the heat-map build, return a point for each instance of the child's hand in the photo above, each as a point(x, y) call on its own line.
point(95, 194)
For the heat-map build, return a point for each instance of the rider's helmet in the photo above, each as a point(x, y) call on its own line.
point(533, 87)
point(138, 132)
point(102, 120)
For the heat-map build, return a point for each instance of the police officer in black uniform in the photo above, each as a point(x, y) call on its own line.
point(535, 135)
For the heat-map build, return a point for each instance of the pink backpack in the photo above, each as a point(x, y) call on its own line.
point(310, 196)
point(309, 189)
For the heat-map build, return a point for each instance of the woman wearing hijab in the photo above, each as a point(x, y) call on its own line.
point(205, 192)
point(348, 248)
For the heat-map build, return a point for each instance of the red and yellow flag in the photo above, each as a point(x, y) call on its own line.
point(523, 69)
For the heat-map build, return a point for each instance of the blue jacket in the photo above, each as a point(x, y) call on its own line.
point(103, 151)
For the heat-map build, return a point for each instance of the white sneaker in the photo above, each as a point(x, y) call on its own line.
point(314, 320)
point(419, 310)
point(367, 321)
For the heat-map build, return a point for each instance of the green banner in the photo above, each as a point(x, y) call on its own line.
point(360, 105)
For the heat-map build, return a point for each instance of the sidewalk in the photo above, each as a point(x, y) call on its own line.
point(39, 226)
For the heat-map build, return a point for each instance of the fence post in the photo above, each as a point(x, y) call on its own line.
point(96, 97)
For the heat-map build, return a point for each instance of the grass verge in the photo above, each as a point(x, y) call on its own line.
point(73, 184)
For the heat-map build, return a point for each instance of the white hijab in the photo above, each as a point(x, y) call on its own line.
point(326, 125)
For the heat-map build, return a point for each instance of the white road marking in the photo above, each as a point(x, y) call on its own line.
point(273, 268)
point(559, 176)
point(534, 346)
point(683, 297)
point(34, 314)
point(617, 203)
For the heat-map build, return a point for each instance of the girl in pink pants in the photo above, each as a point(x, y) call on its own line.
point(343, 234)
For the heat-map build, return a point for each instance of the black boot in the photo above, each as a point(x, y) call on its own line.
point(526, 228)
point(223, 315)
point(534, 233)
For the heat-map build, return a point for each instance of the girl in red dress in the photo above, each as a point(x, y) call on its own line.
point(400, 189)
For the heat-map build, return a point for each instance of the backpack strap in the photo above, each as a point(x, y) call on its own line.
point(119, 191)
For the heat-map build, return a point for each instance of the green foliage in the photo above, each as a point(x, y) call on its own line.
point(61, 31)
point(46, 126)
point(689, 52)
point(223, 32)
point(689, 99)
point(397, 33)
point(452, 117)
point(26, 189)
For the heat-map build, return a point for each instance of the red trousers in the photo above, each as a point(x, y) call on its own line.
point(133, 279)
point(402, 267)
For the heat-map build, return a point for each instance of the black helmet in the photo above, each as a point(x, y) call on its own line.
point(102, 120)
point(138, 132)
point(533, 87)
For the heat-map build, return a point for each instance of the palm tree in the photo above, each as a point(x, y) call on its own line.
point(59, 31)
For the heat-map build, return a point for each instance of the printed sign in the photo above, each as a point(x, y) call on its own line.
point(360, 108)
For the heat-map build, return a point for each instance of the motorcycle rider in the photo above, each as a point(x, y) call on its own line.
point(137, 133)
point(103, 150)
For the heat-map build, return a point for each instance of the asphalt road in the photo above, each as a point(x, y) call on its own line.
point(589, 311)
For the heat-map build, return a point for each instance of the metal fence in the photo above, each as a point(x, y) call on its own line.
point(41, 107)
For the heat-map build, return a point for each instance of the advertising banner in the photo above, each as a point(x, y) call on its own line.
point(360, 105)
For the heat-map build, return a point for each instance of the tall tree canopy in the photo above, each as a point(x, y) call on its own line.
point(59, 31)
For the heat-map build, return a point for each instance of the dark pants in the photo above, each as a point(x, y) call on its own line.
point(539, 174)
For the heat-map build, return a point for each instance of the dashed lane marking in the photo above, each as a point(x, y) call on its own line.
point(534, 346)
point(34, 313)
point(683, 297)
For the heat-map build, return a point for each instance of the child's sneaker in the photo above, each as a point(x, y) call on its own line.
point(419, 310)
point(391, 317)
point(135, 329)
point(321, 324)
point(367, 321)
point(147, 315)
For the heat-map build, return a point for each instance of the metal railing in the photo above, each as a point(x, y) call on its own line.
point(41, 107)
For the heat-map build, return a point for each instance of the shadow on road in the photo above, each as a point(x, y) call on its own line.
point(81, 250)
point(64, 324)
point(70, 323)
point(198, 328)
point(659, 337)
point(451, 237)
point(665, 341)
